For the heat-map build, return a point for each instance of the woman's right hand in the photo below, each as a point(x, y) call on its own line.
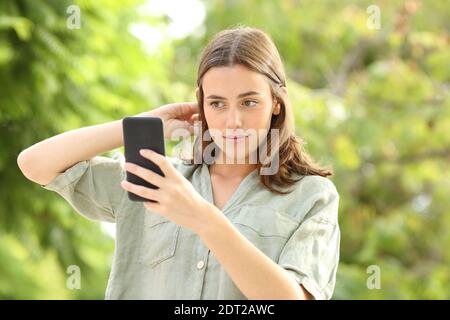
point(177, 116)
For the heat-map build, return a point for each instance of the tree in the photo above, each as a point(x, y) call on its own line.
point(373, 103)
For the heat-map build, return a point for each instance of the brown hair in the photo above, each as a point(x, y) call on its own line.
point(255, 50)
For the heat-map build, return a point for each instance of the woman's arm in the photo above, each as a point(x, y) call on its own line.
point(44, 160)
point(255, 274)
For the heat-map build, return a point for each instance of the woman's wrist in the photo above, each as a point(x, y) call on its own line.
point(212, 220)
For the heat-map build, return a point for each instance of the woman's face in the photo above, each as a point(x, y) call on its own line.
point(238, 107)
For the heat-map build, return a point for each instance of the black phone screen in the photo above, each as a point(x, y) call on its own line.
point(142, 133)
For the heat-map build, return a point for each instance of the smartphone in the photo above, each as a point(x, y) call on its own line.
point(142, 133)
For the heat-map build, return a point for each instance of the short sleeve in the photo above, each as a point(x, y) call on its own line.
point(92, 187)
point(311, 254)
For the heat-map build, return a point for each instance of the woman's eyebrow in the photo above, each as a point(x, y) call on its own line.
point(248, 93)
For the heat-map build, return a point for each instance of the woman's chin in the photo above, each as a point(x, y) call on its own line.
point(237, 159)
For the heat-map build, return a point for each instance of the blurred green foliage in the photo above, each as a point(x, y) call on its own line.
point(373, 103)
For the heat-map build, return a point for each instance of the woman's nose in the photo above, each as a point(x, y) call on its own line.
point(234, 119)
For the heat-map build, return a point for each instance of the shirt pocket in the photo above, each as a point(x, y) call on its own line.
point(159, 240)
point(267, 228)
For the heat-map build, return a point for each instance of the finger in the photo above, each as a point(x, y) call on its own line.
point(160, 160)
point(185, 110)
point(194, 117)
point(147, 193)
point(144, 173)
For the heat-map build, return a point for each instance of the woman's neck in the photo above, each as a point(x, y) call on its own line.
point(231, 171)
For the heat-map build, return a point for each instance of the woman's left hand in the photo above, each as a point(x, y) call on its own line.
point(176, 198)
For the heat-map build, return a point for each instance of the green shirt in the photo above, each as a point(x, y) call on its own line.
point(155, 258)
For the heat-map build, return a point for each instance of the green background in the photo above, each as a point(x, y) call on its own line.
point(372, 103)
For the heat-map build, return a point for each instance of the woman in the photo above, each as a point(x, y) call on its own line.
point(223, 228)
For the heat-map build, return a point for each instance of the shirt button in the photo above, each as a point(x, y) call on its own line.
point(200, 264)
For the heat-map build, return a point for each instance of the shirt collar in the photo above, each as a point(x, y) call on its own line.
point(239, 195)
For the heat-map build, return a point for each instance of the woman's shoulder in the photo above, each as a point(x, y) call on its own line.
point(313, 184)
point(305, 187)
point(308, 192)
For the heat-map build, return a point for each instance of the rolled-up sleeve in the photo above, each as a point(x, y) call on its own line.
point(92, 187)
point(311, 254)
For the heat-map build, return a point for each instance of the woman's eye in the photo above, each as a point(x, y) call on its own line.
point(215, 104)
point(250, 103)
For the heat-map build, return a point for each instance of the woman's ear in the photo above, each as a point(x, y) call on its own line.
point(277, 107)
point(284, 92)
point(284, 96)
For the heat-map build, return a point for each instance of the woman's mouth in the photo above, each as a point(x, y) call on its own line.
point(235, 138)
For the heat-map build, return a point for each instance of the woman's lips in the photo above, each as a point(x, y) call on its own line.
point(235, 138)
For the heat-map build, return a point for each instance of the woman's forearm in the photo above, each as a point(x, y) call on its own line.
point(255, 274)
point(42, 161)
